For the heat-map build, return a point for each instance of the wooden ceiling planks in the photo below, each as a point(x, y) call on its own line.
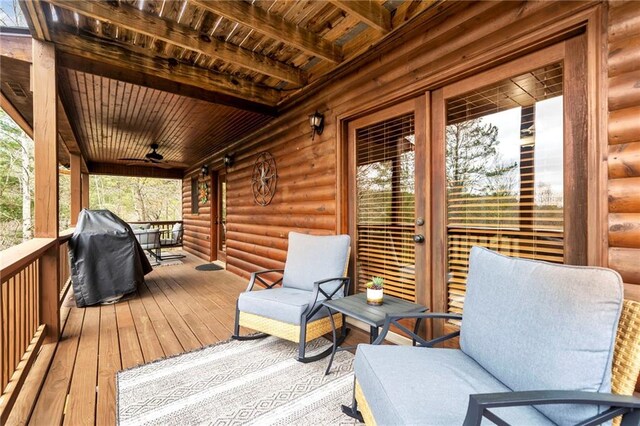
point(137, 71)
point(115, 119)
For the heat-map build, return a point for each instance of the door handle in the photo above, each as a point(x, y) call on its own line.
point(418, 238)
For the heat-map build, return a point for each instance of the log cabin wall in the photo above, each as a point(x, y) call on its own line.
point(458, 42)
point(624, 142)
point(197, 238)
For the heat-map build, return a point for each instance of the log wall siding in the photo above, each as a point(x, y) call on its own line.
point(624, 142)
point(197, 227)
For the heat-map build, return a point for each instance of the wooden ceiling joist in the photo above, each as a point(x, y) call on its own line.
point(36, 19)
point(273, 26)
point(371, 13)
point(134, 19)
point(107, 59)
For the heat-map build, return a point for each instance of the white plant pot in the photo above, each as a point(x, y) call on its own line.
point(374, 297)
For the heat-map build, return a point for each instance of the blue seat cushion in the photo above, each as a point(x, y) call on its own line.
point(312, 258)
point(537, 326)
point(280, 303)
point(404, 385)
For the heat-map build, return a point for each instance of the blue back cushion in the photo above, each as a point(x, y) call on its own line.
point(312, 258)
point(536, 326)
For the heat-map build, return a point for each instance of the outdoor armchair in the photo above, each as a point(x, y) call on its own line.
point(291, 307)
point(540, 344)
point(149, 240)
point(175, 240)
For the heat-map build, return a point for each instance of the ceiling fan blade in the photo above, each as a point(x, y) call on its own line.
point(163, 165)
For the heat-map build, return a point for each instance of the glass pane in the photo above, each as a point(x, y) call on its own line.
point(504, 170)
point(385, 183)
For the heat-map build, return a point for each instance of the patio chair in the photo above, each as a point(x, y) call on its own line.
point(149, 240)
point(175, 240)
point(536, 347)
point(314, 271)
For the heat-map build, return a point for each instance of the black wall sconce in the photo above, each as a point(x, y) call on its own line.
point(316, 120)
point(204, 171)
point(228, 160)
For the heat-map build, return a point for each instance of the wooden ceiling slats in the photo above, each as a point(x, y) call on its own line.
point(373, 14)
point(122, 120)
point(136, 62)
point(274, 26)
point(135, 71)
point(183, 36)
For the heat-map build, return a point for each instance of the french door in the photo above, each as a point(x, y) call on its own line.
point(387, 169)
point(510, 171)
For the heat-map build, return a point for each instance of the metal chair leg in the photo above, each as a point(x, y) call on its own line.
point(352, 411)
point(236, 330)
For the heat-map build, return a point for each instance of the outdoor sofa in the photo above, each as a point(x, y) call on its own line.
point(536, 347)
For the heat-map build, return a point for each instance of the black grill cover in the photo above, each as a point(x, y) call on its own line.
point(106, 260)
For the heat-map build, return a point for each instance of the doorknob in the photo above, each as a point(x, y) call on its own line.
point(418, 238)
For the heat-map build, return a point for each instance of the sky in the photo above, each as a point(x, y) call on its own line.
point(8, 16)
point(548, 140)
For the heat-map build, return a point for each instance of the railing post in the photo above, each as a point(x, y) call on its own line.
point(49, 288)
point(85, 190)
point(76, 187)
point(45, 132)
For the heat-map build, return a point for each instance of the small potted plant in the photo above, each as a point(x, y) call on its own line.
point(374, 291)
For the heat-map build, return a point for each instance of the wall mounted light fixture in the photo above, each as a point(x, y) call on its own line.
point(228, 160)
point(316, 121)
point(204, 171)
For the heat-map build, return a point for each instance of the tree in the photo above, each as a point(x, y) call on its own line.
point(473, 163)
point(11, 14)
point(16, 184)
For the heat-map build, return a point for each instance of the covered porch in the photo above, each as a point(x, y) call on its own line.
point(224, 97)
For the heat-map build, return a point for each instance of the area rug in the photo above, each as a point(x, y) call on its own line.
point(167, 262)
point(248, 382)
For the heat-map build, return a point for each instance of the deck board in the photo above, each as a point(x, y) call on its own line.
point(179, 309)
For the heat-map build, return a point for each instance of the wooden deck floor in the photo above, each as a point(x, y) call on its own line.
point(179, 309)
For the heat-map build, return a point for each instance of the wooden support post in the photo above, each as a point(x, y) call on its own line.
point(76, 187)
point(46, 180)
point(85, 190)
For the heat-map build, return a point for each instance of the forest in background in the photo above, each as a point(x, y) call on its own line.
point(132, 199)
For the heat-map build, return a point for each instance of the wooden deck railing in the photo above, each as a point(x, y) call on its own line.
point(33, 276)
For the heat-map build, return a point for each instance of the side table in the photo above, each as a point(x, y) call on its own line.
point(356, 306)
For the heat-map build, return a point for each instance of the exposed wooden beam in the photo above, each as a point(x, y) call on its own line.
point(111, 60)
point(132, 18)
point(15, 115)
point(371, 13)
point(36, 19)
point(273, 26)
point(45, 139)
point(85, 187)
point(16, 46)
point(115, 169)
point(46, 181)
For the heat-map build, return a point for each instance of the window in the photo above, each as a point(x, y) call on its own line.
point(385, 204)
point(504, 173)
point(194, 195)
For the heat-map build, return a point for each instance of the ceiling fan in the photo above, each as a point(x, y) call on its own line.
point(154, 158)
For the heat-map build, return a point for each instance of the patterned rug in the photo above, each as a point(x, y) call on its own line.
point(250, 382)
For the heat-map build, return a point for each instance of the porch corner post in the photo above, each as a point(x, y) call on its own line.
point(45, 132)
point(85, 191)
point(76, 187)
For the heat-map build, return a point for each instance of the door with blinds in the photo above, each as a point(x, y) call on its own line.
point(387, 199)
point(512, 181)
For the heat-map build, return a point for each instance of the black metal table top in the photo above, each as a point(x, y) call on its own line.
point(356, 307)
